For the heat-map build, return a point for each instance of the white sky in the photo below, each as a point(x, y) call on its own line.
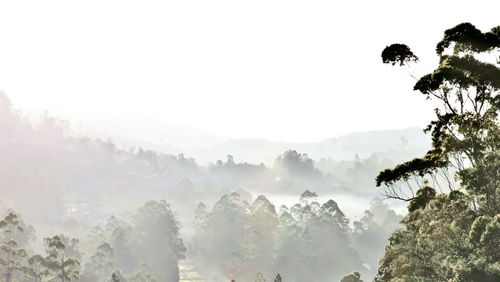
point(281, 70)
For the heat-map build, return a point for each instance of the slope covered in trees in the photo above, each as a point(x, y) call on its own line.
point(146, 248)
point(309, 241)
point(453, 235)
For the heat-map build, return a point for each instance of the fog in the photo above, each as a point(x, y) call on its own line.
point(312, 213)
point(232, 140)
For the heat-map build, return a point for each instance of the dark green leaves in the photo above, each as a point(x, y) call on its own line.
point(398, 54)
point(463, 72)
point(417, 167)
point(468, 38)
point(424, 196)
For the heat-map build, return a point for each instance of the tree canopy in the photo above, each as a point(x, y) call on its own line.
point(454, 235)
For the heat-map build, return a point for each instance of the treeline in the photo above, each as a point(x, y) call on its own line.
point(79, 178)
point(308, 241)
point(146, 248)
point(235, 239)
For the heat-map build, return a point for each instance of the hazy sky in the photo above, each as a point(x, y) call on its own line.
point(282, 70)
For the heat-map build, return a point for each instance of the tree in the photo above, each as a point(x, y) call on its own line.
point(222, 229)
point(256, 249)
point(371, 233)
point(451, 236)
point(294, 163)
point(157, 240)
point(117, 276)
point(61, 258)
point(352, 277)
point(37, 268)
point(465, 133)
point(308, 196)
point(102, 262)
point(11, 255)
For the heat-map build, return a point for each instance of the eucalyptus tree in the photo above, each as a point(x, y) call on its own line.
point(465, 132)
point(12, 256)
point(451, 236)
point(101, 264)
point(157, 241)
point(352, 277)
point(37, 269)
point(62, 258)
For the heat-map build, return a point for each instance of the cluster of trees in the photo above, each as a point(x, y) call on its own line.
point(454, 235)
point(308, 241)
point(146, 249)
point(80, 181)
point(451, 231)
point(18, 262)
point(41, 159)
point(235, 239)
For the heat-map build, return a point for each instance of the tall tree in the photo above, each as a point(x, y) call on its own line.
point(102, 263)
point(465, 133)
point(62, 258)
point(451, 237)
point(157, 241)
point(37, 268)
point(11, 255)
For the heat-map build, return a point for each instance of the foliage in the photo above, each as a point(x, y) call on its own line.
point(294, 163)
point(352, 277)
point(465, 131)
point(241, 239)
point(61, 259)
point(149, 248)
point(102, 263)
point(11, 255)
point(398, 53)
point(146, 250)
point(454, 236)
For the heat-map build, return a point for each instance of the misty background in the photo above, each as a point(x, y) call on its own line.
point(210, 140)
point(73, 185)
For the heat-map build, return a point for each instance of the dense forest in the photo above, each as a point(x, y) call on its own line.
point(76, 208)
point(103, 211)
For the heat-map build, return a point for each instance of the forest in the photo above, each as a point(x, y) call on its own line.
point(79, 208)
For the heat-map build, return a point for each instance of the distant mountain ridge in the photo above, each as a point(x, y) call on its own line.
point(345, 147)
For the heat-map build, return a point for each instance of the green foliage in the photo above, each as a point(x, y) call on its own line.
point(398, 53)
point(418, 166)
point(352, 277)
point(61, 259)
point(102, 263)
point(454, 236)
point(423, 197)
point(371, 232)
point(293, 164)
point(12, 255)
point(147, 248)
point(240, 239)
point(157, 241)
point(152, 241)
point(37, 268)
point(468, 38)
point(466, 130)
